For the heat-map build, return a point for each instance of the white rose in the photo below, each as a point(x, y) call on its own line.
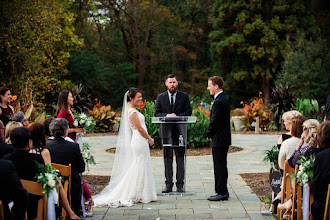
point(51, 182)
point(75, 123)
point(83, 115)
point(88, 123)
point(82, 121)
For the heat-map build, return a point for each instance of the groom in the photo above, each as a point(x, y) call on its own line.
point(170, 104)
point(219, 133)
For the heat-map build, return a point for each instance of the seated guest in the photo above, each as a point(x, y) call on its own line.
point(309, 138)
point(20, 117)
point(65, 153)
point(39, 142)
point(289, 145)
point(287, 119)
point(24, 162)
point(6, 110)
point(39, 147)
point(321, 178)
point(4, 148)
point(11, 189)
point(11, 126)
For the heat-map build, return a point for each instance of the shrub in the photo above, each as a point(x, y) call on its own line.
point(103, 116)
point(309, 108)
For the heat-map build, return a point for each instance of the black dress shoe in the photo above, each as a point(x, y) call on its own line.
point(167, 190)
point(180, 190)
point(219, 197)
point(277, 201)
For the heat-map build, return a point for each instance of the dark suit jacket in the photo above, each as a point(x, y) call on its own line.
point(5, 149)
point(12, 189)
point(320, 182)
point(65, 152)
point(219, 129)
point(181, 108)
point(26, 168)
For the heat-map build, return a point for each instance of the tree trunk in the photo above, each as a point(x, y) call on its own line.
point(265, 89)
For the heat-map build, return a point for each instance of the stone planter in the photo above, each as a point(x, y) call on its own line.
point(238, 122)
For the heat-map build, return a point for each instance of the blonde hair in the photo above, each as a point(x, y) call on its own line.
point(310, 127)
point(287, 116)
point(9, 127)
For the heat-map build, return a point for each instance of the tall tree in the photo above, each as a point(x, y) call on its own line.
point(250, 37)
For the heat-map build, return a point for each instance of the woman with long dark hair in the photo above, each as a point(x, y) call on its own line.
point(6, 110)
point(65, 101)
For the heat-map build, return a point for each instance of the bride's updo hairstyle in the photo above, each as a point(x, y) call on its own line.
point(132, 93)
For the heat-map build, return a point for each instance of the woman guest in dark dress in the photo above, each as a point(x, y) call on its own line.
point(321, 178)
point(65, 101)
point(6, 110)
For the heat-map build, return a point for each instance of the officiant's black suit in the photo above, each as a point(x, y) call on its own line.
point(65, 152)
point(219, 131)
point(170, 132)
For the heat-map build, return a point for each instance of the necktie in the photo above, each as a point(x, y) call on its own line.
point(172, 103)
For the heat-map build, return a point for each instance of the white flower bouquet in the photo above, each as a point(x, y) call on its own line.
point(305, 172)
point(87, 155)
point(48, 177)
point(83, 121)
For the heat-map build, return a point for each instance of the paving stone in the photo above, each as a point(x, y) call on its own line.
point(193, 216)
point(176, 211)
point(158, 217)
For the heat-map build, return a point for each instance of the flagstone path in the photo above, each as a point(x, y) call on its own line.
point(242, 204)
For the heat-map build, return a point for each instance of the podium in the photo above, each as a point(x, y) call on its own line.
point(173, 134)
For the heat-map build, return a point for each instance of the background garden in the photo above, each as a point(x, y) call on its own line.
point(273, 55)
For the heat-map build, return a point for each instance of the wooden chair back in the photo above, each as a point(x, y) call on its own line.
point(36, 189)
point(2, 215)
point(297, 199)
point(286, 188)
point(327, 206)
point(65, 172)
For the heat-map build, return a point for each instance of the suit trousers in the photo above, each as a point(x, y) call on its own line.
point(180, 168)
point(220, 169)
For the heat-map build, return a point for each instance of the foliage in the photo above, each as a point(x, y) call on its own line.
point(148, 110)
point(309, 108)
point(250, 38)
point(306, 170)
point(281, 100)
point(87, 155)
point(81, 103)
point(48, 178)
point(103, 116)
point(82, 121)
point(306, 69)
point(38, 37)
point(255, 109)
point(197, 131)
point(271, 156)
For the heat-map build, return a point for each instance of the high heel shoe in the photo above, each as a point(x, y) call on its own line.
point(277, 201)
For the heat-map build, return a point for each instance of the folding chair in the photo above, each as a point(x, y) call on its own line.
point(65, 172)
point(2, 215)
point(286, 188)
point(327, 206)
point(35, 188)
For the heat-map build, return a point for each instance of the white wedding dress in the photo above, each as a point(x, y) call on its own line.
point(136, 183)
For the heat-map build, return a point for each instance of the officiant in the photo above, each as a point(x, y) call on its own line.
point(173, 103)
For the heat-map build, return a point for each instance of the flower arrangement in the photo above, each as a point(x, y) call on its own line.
point(81, 120)
point(103, 116)
point(255, 109)
point(48, 177)
point(305, 172)
point(271, 156)
point(87, 155)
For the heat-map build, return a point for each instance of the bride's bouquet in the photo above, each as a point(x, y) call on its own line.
point(82, 121)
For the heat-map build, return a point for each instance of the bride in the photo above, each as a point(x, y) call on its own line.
point(132, 179)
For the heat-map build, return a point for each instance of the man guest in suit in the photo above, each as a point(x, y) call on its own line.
point(170, 104)
point(65, 153)
point(219, 133)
